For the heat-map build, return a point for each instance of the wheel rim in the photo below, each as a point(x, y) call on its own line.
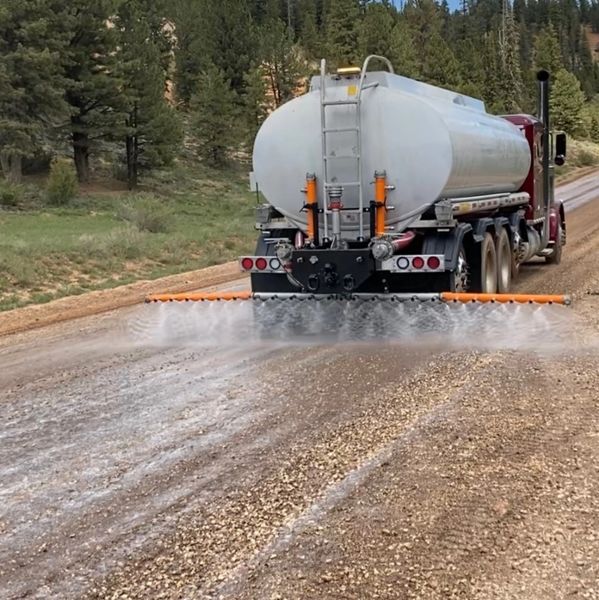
point(461, 273)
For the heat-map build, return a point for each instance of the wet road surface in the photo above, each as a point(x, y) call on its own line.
point(254, 469)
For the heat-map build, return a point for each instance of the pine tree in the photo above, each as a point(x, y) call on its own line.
point(402, 51)
point(308, 27)
point(375, 31)
point(31, 86)
point(341, 31)
point(471, 67)
point(255, 103)
point(492, 93)
point(440, 66)
point(93, 81)
point(153, 129)
point(510, 70)
point(587, 71)
point(424, 19)
point(566, 102)
point(236, 44)
point(547, 53)
point(214, 116)
point(281, 60)
point(584, 10)
point(195, 45)
point(213, 33)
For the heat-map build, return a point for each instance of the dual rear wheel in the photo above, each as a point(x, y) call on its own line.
point(491, 265)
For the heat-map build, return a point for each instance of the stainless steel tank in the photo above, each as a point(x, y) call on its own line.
point(432, 143)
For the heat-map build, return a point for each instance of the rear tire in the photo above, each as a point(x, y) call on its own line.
point(485, 266)
point(503, 249)
point(555, 258)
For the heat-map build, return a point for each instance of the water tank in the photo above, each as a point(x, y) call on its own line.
point(431, 142)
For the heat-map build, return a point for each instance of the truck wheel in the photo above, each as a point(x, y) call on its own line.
point(484, 278)
point(503, 249)
point(460, 278)
point(516, 255)
point(555, 258)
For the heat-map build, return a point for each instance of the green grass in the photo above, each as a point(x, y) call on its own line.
point(49, 252)
point(582, 154)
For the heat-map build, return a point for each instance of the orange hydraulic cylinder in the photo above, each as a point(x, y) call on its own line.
point(506, 298)
point(380, 197)
point(200, 297)
point(311, 205)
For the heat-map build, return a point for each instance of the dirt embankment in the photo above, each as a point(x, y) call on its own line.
point(73, 307)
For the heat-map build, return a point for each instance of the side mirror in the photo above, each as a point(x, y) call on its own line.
point(560, 149)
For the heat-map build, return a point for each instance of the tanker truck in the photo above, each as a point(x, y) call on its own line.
point(380, 185)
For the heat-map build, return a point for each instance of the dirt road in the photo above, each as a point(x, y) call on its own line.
point(260, 470)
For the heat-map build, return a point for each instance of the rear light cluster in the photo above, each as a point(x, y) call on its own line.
point(414, 264)
point(264, 264)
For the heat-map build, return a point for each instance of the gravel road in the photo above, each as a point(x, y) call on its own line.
point(257, 470)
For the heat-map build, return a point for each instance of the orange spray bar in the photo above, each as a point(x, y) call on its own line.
point(444, 297)
point(506, 298)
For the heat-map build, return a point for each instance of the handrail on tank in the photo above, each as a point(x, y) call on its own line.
point(365, 69)
point(323, 75)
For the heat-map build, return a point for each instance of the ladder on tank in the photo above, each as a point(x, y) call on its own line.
point(356, 103)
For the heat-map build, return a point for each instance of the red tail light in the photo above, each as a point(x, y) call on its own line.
point(261, 264)
point(433, 263)
point(418, 262)
point(247, 264)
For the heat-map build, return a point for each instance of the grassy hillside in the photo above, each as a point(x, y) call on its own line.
point(184, 219)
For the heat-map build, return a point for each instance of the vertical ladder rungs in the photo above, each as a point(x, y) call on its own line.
point(327, 159)
point(342, 157)
point(340, 103)
point(342, 130)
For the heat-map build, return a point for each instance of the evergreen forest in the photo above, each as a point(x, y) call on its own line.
point(137, 80)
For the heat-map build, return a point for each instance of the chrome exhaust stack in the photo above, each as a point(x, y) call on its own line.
point(544, 88)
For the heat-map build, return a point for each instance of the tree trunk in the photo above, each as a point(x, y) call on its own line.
point(81, 155)
point(132, 149)
point(131, 161)
point(135, 160)
point(12, 167)
point(16, 168)
point(5, 163)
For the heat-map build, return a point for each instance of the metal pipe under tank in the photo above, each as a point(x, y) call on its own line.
point(335, 206)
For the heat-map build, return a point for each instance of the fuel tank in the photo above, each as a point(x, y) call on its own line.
point(431, 142)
